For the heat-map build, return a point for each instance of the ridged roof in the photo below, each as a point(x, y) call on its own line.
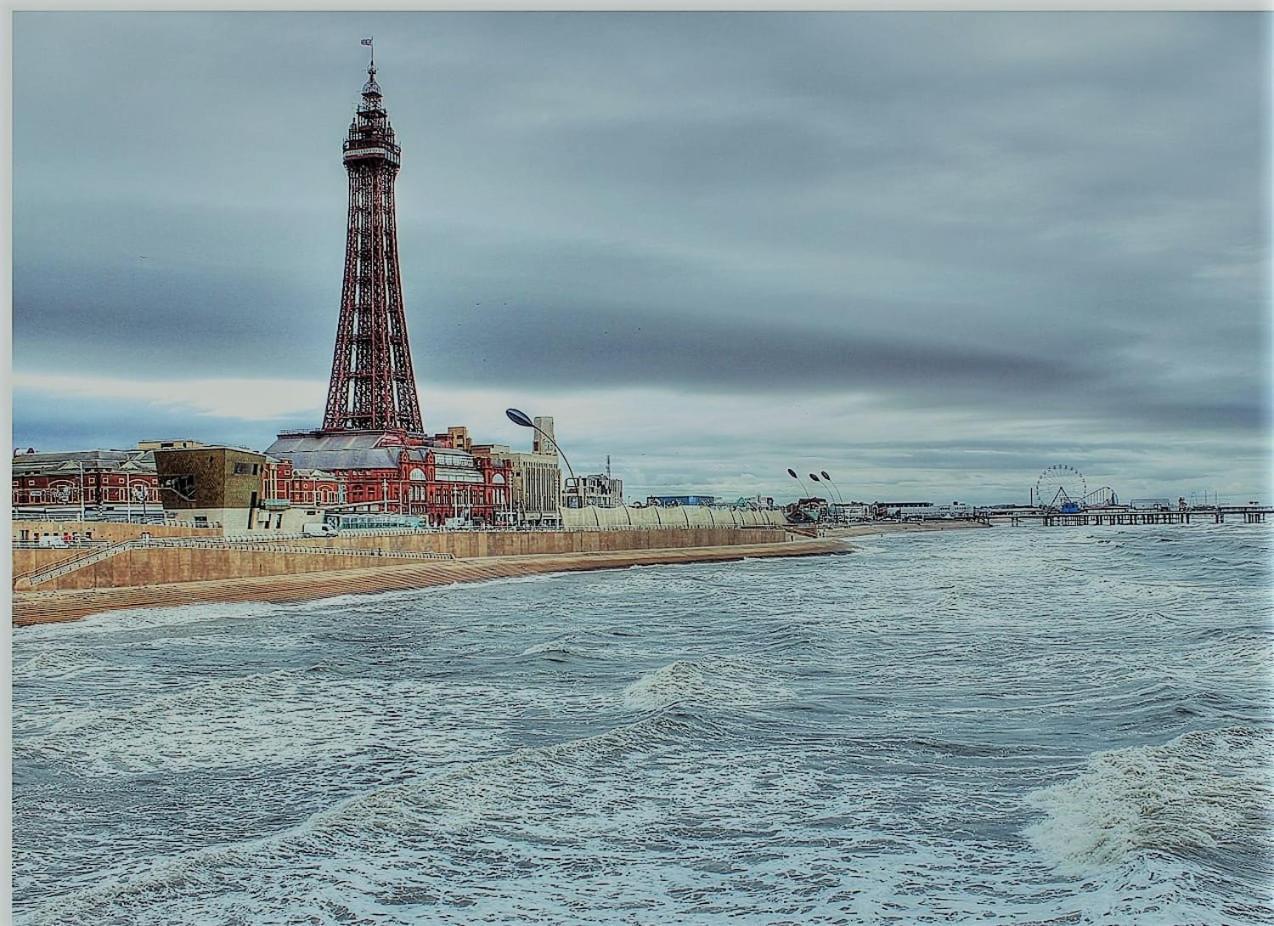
point(352, 450)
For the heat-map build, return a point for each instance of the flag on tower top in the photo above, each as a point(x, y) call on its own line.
point(367, 42)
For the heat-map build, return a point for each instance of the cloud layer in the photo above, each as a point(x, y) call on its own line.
point(936, 251)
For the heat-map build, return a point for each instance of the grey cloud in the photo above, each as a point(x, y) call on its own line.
point(1057, 215)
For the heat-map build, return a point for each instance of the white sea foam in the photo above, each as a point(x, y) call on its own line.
point(719, 681)
point(131, 619)
point(1203, 790)
point(259, 719)
point(550, 648)
point(54, 663)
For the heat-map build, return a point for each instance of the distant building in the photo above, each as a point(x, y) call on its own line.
point(599, 489)
point(539, 442)
point(850, 511)
point(213, 486)
point(97, 478)
point(535, 483)
point(675, 501)
point(301, 487)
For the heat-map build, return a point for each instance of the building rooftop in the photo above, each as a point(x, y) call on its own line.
point(327, 450)
point(91, 459)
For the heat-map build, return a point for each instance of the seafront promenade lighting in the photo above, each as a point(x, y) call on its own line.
point(523, 420)
point(828, 480)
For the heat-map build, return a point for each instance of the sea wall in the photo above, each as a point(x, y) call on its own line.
point(164, 566)
point(161, 566)
point(43, 606)
point(466, 544)
point(654, 517)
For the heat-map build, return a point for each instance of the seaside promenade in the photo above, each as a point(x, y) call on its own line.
point(226, 572)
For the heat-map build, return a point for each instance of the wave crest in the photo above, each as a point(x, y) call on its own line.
point(1203, 791)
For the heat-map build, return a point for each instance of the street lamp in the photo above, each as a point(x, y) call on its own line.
point(521, 419)
point(828, 480)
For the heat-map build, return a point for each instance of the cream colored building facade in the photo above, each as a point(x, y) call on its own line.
point(536, 490)
point(628, 517)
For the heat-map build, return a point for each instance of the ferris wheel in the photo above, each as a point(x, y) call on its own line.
point(1060, 484)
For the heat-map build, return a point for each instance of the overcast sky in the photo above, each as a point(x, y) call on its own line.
point(930, 253)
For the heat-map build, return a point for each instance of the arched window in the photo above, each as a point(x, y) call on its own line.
point(498, 479)
point(416, 475)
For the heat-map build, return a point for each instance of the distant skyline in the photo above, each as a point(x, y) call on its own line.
point(932, 253)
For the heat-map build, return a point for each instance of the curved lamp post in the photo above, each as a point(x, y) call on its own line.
point(521, 419)
point(792, 473)
point(828, 479)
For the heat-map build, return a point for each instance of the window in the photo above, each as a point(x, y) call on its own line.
point(416, 475)
point(243, 469)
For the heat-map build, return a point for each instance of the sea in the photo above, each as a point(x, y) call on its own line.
point(1009, 726)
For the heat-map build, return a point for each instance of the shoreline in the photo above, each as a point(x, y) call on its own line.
point(31, 608)
point(47, 607)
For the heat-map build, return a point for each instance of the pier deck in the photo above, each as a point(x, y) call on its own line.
point(1123, 516)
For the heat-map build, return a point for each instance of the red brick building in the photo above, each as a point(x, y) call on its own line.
point(385, 471)
point(101, 478)
point(309, 487)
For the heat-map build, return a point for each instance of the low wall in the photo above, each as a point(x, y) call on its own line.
point(467, 544)
point(653, 517)
point(28, 560)
point(161, 566)
point(42, 607)
point(166, 566)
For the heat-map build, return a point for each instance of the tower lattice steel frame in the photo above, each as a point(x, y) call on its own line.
point(372, 385)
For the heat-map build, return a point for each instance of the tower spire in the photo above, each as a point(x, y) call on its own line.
point(372, 386)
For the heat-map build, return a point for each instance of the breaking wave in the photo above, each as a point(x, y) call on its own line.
point(1199, 795)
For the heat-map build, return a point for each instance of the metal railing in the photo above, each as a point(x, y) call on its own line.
point(257, 545)
point(62, 567)
point(71, 545)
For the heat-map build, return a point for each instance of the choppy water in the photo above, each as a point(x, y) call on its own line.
point(1004, 726)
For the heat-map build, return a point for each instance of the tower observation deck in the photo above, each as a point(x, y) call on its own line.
point(372, 385)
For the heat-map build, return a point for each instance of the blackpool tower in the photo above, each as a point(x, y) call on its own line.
point(372, 386)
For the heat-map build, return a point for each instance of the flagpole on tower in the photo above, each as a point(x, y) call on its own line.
point(368, 42)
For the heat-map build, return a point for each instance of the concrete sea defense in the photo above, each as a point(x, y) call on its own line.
point(60, 584)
